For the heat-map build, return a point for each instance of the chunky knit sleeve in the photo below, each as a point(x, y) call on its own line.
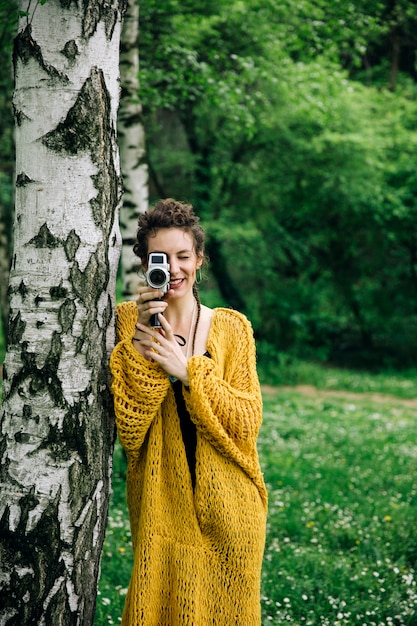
point(224, 398)
point(138, 386)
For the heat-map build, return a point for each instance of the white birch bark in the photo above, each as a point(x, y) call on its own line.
point(56, 435)
point(132, 149)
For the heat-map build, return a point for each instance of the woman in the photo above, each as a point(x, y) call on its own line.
point(188, 410)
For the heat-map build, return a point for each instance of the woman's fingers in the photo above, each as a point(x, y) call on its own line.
point(148, 330)
point(148, 304)
point(169, 333)
point(162, 347)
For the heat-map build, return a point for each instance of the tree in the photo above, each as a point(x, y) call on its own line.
point(132, 148)
point(56, 425)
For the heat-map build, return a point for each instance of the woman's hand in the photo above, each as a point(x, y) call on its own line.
point(162, 347)
point(148, 304)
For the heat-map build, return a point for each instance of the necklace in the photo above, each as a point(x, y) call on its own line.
point(182, 341)
point(186, 342)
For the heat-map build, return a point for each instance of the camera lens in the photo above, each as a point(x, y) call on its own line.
point(157, 277)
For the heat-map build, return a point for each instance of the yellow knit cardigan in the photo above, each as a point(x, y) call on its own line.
point(197, 552)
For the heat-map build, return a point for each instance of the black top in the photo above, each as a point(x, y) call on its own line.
point(188, 428)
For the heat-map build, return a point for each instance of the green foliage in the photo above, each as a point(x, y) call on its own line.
point(274, 119)
point(8, 24)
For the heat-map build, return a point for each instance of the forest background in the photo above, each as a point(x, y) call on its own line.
point(291, 127)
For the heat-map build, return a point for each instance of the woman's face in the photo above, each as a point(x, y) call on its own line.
point(178, 245)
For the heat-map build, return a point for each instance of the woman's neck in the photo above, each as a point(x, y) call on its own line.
point(179, 312)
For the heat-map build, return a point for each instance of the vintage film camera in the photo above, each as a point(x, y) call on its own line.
point(158, 277)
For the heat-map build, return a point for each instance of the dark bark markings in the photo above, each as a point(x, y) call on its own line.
point(96, 11)
point(26, 48)
point(38, 554)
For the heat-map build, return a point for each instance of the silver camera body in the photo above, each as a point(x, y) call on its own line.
point(157, 274)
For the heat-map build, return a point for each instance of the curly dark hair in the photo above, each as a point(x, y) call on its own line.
point(168, 213)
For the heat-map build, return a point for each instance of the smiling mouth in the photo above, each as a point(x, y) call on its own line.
point(175, 282)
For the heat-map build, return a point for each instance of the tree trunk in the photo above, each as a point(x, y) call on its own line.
point(395, 62)
point(57, 430)
point(132, 149)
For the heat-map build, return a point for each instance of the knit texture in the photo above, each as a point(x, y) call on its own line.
point(197, 552)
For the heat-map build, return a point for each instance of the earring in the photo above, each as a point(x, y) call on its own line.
point(198, 278)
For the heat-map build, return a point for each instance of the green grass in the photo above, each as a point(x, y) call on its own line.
point(117, 558)
point(342, 539)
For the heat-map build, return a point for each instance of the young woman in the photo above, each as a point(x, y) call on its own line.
point(188, 411)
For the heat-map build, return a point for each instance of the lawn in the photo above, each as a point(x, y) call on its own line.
point(342, 539)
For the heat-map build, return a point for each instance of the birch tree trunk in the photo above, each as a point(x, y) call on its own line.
point(57, 431)
point(132, 148)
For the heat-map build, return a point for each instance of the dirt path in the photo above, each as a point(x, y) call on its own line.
point(309, 390)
